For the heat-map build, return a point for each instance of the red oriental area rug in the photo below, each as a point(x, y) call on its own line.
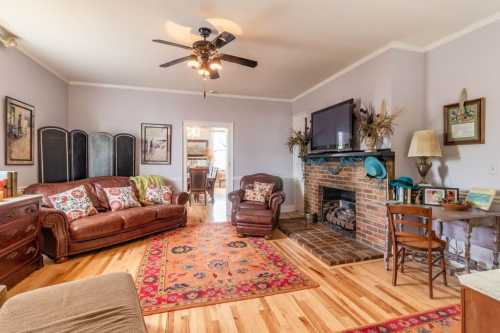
point(208, 264)
point(442, 320)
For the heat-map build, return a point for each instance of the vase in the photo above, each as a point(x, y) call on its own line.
point(371, 143)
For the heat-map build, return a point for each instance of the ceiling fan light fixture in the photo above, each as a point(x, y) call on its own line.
point(193, 62)
point(216, 64)
point(203, 71)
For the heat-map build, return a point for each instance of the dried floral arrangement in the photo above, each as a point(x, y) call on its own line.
point(300, 139)
point(373, 126)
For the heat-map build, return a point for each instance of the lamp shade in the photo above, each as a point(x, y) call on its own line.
point(424, 144)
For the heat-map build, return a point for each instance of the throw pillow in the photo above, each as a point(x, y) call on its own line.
point(161, 195)
point(75, 203)
point(254, 195)
point(265, 188)
point(121, 198)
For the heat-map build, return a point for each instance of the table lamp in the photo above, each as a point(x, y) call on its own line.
point(424, 145)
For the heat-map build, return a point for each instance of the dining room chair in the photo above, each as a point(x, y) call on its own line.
point(198, 184)
point(212, 178)
point(411, 230)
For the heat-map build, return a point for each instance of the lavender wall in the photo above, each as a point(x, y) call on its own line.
point(396, 76)
point(260, 127)
point(27, 81)
point(471, 62)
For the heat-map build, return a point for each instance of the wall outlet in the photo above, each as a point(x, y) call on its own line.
point(492, 170)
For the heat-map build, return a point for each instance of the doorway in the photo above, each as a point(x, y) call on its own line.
point(208, 149)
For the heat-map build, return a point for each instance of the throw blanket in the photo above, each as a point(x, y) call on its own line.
point(143, 182)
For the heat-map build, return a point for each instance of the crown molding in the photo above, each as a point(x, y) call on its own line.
point(175, 91)
point(42, 64)
point(365, 59)
point(406, 47)
point(467, 30)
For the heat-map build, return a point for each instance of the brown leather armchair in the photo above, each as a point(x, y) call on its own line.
point(256, 218)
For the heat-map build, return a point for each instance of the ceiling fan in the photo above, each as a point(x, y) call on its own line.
point(205, 55)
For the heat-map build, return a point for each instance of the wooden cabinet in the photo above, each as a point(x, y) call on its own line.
point(19, 238)
point(481, 302)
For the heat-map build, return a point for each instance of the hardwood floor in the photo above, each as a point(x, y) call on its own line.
point(349, 296)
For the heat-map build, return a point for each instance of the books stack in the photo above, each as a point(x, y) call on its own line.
point(8, 184)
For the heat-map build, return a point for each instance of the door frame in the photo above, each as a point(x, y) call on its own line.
point(230, 163)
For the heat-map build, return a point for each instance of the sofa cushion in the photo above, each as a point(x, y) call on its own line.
point(133, 217)
point(121, 198)
point(169, 211)
point(104, 304)
point(100, 183)
point(75, 203)
point(253, 205)
point(158, 195)
point(96, 226)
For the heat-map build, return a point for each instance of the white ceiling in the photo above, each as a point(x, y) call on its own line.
point(298, 43)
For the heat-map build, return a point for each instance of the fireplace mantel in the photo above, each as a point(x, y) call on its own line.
point(382, 154)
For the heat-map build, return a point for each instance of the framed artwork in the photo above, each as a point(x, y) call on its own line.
point(481, 198)
point(197, 147)
point(19, 125)
point(464, 126)
point(434, 196)
point(156, 143)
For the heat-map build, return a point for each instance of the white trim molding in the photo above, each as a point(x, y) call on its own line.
point(175, 91)
point(42, 64)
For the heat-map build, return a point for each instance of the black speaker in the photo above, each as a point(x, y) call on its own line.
point(53, 155)
point(79, 157)
point(124, 155)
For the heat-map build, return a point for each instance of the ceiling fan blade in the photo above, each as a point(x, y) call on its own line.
point(214, 74)
point(239, 60)
point(223, 39)
point(161, 41)
point(175, 62)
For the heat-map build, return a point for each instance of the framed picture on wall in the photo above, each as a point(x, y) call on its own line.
point(464, 126)
point(436, 195)
point(19, 124)
point(156, 143)
point(197, 148)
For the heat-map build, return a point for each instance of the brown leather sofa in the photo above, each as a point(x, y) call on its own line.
point(62, 239)
point(255, 218)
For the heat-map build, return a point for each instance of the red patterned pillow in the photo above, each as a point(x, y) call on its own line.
point(254, 195)
point(265, 188)
point(121, 198)
point(161, 195)
point(75, 203)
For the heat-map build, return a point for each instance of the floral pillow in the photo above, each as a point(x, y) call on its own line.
point(121, 198)
point(161, 195)
point(75, 203)
point(252, 194)
point(265, 188)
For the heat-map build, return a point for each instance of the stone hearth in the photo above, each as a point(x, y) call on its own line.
point(370, 194)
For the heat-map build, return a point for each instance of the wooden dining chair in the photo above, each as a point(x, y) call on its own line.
point(212, 178)
point(411, 229)
point(198, 183)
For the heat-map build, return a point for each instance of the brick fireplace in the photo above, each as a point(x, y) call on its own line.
point(351, 185)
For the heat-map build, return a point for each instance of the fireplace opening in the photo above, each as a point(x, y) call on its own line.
point(338, 210)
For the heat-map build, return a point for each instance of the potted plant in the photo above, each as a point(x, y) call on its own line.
point(373, 126)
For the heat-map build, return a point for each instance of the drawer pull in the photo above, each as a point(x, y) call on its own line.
point(30, 228)
point(31, 249)
point(12, 255)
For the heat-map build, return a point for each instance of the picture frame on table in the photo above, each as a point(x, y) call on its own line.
point(19, 129)
point(156, 143)
point(464, 126)
point(434, 196)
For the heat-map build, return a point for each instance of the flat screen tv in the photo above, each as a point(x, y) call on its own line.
point(332, 127)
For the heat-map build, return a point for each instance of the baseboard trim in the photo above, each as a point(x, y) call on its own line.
point(288, 208)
